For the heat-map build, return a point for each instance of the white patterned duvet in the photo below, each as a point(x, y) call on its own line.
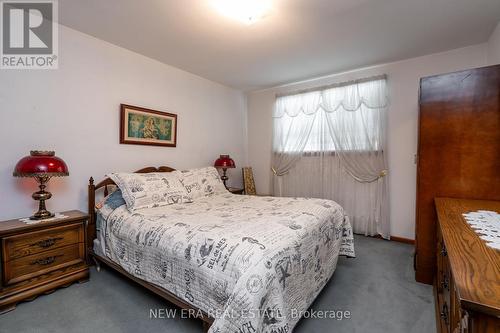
point(251, 262)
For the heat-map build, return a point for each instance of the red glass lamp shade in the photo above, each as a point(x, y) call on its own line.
point(41, 165)
point(224, 162)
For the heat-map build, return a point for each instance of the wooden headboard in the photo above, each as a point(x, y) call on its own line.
point(91, 228)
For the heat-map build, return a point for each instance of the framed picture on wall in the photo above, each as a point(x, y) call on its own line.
point(140, 126)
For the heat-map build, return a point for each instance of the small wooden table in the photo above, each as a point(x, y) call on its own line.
point(40, 257)
point(467, 281)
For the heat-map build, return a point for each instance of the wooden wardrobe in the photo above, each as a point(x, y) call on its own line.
point(458, 150)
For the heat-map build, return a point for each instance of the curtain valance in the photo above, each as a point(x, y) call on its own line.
point(370, 94)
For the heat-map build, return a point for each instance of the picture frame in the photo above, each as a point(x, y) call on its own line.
point(141, 126)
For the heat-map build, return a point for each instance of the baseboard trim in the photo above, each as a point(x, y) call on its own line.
point(398, 239)
point(403, 240)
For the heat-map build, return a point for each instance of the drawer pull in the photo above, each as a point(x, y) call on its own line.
point(45, 243)
point(444, 253)
point(445, 283)
point(45, 261)
point(444, 313)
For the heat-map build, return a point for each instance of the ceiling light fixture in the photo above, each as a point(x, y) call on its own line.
point(246, 11)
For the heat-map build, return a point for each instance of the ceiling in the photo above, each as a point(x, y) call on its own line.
point(297, 40)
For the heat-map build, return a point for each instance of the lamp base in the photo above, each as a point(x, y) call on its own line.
point(224, 177)
point(41, 196)
point(42, 215)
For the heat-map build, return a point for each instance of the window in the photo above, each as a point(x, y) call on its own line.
point(348, 118)
point(330, 143)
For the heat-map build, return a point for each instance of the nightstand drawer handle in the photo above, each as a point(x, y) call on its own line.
point(45, 243)
point(45, 261)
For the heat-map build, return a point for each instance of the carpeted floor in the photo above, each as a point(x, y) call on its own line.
point(378, 288)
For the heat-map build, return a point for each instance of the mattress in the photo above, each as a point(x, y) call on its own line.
point(253, 263)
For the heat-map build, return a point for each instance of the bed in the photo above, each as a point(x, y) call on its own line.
point(239, 263)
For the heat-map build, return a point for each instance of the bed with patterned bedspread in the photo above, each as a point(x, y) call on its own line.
point(250, 262)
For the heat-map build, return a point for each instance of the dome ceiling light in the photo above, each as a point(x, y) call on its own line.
point(246, 11)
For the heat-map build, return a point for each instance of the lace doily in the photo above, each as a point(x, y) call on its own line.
point(487, 225)
point(57, 216)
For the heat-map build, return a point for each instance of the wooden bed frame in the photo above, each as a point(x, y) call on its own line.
point(91, 235)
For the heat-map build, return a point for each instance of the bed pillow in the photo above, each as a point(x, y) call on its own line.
point(147, 190)
point(107, 206)
point(202, 182)
point(112, 199)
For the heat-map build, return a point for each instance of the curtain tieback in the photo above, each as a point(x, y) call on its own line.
point(382, 174)
point(278, 174)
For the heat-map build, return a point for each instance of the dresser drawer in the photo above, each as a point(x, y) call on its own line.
point(37, 264)
point(27, 244)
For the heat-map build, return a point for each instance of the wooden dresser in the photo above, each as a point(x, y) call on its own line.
point(467, 280)
point(458, 150)
point(37, 258)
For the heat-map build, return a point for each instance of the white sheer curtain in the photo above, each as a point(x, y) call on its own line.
point(330, 143)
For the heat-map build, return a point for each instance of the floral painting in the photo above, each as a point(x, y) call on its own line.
point(147, 127)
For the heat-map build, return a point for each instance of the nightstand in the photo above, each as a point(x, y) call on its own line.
point(235, 190)
point(40, 257)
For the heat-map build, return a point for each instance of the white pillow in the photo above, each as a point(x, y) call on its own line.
point(147, 190)
point(202, 182)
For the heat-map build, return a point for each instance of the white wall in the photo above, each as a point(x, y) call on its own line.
point(75, 111)
point(403, 81)
point(494, 47)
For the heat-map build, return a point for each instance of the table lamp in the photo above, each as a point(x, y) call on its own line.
point(41, 165)
point(224, 162)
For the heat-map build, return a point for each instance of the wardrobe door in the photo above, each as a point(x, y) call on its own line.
point(458, 149)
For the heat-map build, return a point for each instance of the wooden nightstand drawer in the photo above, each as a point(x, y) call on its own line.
point(39, 257)
point(41, 263)
point(27, 244)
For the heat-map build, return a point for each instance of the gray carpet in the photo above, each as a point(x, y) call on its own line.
point(378, 288)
